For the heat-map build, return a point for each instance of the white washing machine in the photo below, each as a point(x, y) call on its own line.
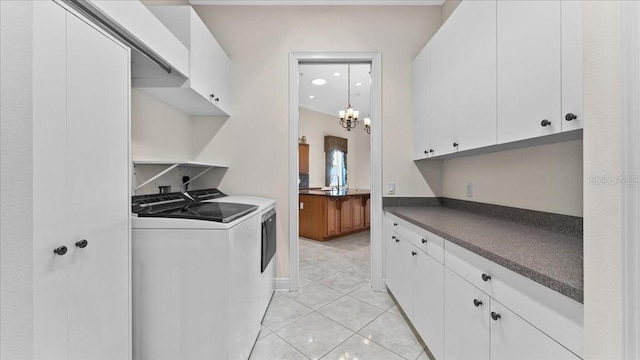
point(200, 282)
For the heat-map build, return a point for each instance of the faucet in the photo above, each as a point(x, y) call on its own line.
point(338, 177)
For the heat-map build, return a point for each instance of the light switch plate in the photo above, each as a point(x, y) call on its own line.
point(391, 188)
point(301, 205)
point(469, 189)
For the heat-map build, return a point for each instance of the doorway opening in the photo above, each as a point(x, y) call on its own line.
point(335, 184)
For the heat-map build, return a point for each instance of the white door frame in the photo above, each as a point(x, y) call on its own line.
point(630, 166)
point(295, 58)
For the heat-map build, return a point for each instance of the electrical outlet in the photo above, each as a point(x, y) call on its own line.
point(391, 188)
point(469, 189)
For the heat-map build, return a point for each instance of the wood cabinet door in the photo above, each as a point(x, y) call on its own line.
point(367, 216)
point(466, 326)
point(303, 158)
point(529, 66)
point(357, 212)
point(98, 83)
point(514, 338)
point(333, 217)
point(474, 76)
point(428, 302)
point(420, 80)
point(346, 214)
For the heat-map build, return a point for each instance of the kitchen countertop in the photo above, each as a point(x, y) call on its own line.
point(552, 259)
point(335, 193)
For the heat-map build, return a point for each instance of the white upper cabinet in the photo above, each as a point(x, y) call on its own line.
point(500, 74)
point(421, 104)
point(529, 64)
point(474, 76)
point(442, 54)
point(207, 90)
point(572, 74)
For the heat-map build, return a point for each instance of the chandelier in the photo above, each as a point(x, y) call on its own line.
point(349, 117)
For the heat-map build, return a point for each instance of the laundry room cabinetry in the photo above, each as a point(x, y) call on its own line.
point(81, 82)
point(207, 91)
point(503, 75)
point(415, 278)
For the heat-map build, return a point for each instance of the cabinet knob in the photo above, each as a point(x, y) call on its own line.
point(395, 224)
point(396, 239)
point(486, 277)
point(455, 144)
point(426, 152)
point(477, 302)
point(495, 316)
point(545, 122)
point(413, 253)
point(82, 243)
point(217, 99)
point(570, 116)
point(431, 151)
point(212, 96)
point(60, 250)
point(424, 241)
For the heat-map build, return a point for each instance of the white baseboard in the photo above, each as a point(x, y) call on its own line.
point(282, 284)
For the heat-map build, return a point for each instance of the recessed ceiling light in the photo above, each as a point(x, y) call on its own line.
point(318, 81)
point(336, 74)
point(358, 84)
point(311, 97)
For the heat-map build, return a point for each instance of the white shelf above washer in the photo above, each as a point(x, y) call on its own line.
point(170, 165)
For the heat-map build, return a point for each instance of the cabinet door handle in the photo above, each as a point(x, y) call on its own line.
point(545, 122)
point(212, 96)
point(570, 116)
point(60, 250)
point(82, 243)
point(395, 224)
point(217, 99)
point(413, 253)
point(424, 241)
point(396, 239)
point(425, 152)
point(431, 151)
point(477, 302)
point(486, 277)
point(495, 316)
point(455, 144)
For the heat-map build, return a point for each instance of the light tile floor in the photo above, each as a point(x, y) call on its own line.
point(335, 315)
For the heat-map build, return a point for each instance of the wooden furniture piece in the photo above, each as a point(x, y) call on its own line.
point(326, 215)
point(303, 159)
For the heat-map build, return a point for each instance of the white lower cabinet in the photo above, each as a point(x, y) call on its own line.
point(466, 326)
point(416, 281)
point(461, 316)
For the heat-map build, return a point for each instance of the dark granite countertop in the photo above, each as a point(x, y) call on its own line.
point(336, 193)
point(550, 258)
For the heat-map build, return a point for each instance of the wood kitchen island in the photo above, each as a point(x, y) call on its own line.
point(330, 214)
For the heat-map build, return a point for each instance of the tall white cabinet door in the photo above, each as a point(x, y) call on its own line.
point(98, 202)
point(474, 79)
point(466, 320)
point(421, 103)
point(514, 338)
point(529, 79)
point(441, 135)
point(572, 77)
point(428, 302)
point(49, 190)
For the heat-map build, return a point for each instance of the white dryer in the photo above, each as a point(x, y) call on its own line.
point(199, 291)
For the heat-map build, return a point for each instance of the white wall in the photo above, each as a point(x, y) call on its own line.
point(16, 179)
point(254, 141)
point(602, 237)
point(315, 126)
point(544, 178)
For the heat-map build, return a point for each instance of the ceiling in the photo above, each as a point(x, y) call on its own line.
point(332, 96)
point(319, 2)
